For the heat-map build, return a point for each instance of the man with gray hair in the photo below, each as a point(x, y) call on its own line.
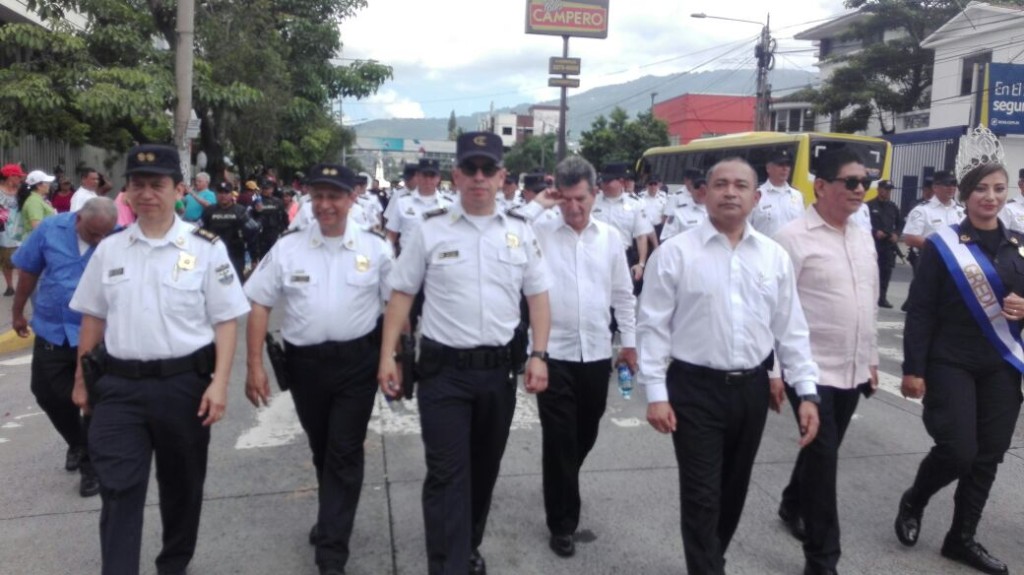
point(587, 262)
point(51, 262)
point(198, 198)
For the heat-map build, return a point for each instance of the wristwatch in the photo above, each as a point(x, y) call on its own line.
point(811, 397)
point(541, 355)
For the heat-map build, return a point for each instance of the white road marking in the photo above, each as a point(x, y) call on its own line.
point(10, 425)
point(27, 415)
point(3, 440)
point(277, 424)
point(20, 360)
point(626, 421)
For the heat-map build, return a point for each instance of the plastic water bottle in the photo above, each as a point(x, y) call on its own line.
point(625, 381)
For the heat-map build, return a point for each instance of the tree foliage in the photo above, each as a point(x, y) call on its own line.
point(265, 75)
point(619, 139)
point(532, 154)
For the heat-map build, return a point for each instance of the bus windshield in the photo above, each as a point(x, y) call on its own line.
point(872, 153)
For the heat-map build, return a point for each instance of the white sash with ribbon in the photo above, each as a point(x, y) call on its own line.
point(982, 290)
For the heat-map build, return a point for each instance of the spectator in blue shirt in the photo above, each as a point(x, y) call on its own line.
point(198, 198)
point(50, 263)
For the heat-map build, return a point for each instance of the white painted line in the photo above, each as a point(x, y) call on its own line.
point(277, 424)
point(20, 360)
point(4, 440)
point(27, 415)
point(10, 425)
point(627, 421)
point(891, 383)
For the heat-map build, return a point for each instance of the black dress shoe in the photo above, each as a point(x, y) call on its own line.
point(477, 566)
point(9, 292)
point(908, 521)
point(73, 460)
point(562, 545)
point(793, 522)
point(964, 549)
point(885, 304)
point(811, 569)
point(89, 485)
point(314, 534)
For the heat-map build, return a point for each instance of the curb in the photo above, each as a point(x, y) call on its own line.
point(10, 342)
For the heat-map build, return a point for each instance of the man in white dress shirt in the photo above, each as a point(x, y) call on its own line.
point(589, 271)
point(716, 300)
point(86, 190)
point(780, 203)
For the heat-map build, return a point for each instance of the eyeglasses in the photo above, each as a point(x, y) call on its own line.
point(470, 169)
point(852, 182)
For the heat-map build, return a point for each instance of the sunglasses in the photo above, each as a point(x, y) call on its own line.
point(470, 169)
point(853, 182)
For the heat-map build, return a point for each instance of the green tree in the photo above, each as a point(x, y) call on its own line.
point(266, 73)
point(534, 152)
point(453, 127)
point(619, 139)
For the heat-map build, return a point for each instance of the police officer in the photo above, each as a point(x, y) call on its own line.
point(409, 212)
point(625, 214)
point(164, 299)
point(50, 264)
point(940, 211)
point(687, 215)
point(780, 203)
point(331, 355)
point(410, 179)
point(368, 203)
point(1012, 215)
point(231, 222)
point(272, 216)
point(886, 224)
point(509, 196)
point(473, 261)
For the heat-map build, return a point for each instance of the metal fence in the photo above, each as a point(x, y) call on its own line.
point(41, 154)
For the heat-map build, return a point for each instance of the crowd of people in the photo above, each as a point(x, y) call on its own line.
point(727, 298)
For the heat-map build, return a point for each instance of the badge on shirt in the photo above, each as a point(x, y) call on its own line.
point(225, 274)
point(511, 240)
point(362, 264)
point(186, 261)
point(300, 278)
point(115, 272)
point(448, 255)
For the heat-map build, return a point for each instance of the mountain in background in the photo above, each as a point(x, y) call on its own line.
point(585, 107)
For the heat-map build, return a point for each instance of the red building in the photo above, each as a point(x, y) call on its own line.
point(693, 116)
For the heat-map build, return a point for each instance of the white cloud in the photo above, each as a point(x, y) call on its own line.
point(385, 104)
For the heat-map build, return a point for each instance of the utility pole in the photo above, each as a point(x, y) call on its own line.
point(183, 84)
point(563, 106)
point(765, 53)
point(653, 95)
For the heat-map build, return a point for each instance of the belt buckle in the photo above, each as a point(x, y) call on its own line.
point(735, 377)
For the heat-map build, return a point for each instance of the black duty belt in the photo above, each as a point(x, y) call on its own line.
point(483, 357)
point(335, 350)
point(201, 361)
point(728, 377)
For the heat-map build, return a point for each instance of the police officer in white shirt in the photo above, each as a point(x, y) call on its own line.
point(425, 198)
point(410, 180)
point(509, 196)
point(780, 203)
point(473, 262)
point(1012, 214)
point(684, 195)
point(368, 202)
point(690, 215)
point(941, 210)
point(589, 270)
point(653, 201)
point(716, 300)
point(625, 214)
point(163, 296)
point(331, 353)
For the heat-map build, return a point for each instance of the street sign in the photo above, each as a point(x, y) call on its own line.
point(570, 66)
point(564, 82)
point(582, 18)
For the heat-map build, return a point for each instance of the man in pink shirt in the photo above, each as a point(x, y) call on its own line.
point(834, 262)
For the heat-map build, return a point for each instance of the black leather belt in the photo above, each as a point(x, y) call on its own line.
point(728, 377)
point(334, 350)
point(483, 357)
point(200, 361)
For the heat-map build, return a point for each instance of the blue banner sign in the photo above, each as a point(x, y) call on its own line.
point(1003, 110)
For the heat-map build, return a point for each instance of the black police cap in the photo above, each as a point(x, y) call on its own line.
point(944, 177)
point(225, 188)
point(153, 159)
point(429, 166)
point(510, 179)
point(535, 182)
point(479, 145)
point(331, 175)
point(615, 170)
point(410, 170)
point(1020, 174)
point(886, 184)
point(781, 158)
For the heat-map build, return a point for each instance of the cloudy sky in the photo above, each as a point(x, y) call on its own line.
point(464, 54)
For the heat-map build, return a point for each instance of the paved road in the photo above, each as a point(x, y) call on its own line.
point(260, 493)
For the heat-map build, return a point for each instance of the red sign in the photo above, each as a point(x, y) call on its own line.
point(583, 18)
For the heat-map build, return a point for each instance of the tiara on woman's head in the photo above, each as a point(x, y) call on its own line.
point(977, 148)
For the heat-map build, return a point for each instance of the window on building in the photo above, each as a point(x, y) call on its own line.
point(506, 130)
point(967, 72)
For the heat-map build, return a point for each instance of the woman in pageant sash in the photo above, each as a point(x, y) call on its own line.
point(963, 355)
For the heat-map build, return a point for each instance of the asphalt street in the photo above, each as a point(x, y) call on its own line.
point(261, 493)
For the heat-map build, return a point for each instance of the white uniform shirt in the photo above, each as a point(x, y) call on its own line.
point(472, 277)
point(505, 205)
point(925, 219)
point(592, 276)
point(862, 218)
point(675, 199)
point(371, 208)
point(79, 198)
point(333, 288)
point(409, 214)
point(535, 213)
point(707, 303)
point(777, 207)
point(624, 214)
point(1012, 214)
point(684, 217)
point(159, 297)
point(389, 212)
point(653, 207)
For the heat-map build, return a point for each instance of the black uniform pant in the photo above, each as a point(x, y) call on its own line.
point(971, 416)
point(334, 398)
point(53, 378)
point(570, 413)
point(718, 432)
point(133, 420)
point(237, 257)
point(465, 417)
point(812, 486)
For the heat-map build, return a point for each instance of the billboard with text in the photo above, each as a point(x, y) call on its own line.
point(582, 18)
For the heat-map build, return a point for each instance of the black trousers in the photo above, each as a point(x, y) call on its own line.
point(465, 417)
point(717, 436)
point(812, 486)
point(884, 276)
point(53, 378)
point(570, 413)
point(237, 258)
point(133, 420)
point(334, 400)
point(971, 416)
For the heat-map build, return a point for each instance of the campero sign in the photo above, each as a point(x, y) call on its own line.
point(583, 18)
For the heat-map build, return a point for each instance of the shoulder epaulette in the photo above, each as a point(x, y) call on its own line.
point(375, 230)
point(288, 232)
point(512, 213)
point(206, 235)
point(434, 213)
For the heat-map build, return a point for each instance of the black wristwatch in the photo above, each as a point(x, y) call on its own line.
point(811, 397)
point(541, 355)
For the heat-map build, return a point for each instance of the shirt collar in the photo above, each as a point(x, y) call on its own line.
point(349, 240)
point(178, 235)
point(457, 212)
point(935, 202)
point(707, 232)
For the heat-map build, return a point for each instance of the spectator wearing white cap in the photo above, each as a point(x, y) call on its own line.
point(36, 206)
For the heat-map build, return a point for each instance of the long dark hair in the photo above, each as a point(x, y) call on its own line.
point(24, 191)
